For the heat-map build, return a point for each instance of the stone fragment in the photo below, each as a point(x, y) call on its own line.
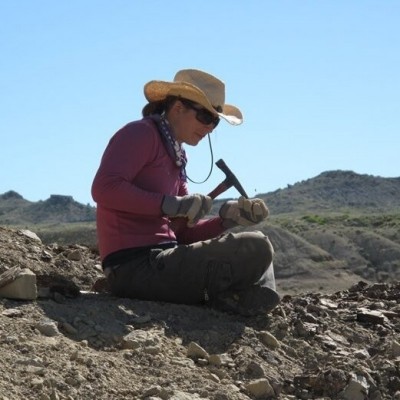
point(140, 338)
point(377, 395)
point(269, 340)
point(220, 359)
point(361, 354)
point(133, 340)
point(54, 395)
point(12, 313)
point(221, 373)
point(68, 328)
point(182, 362)
point(215, 359)
point(338, 338)
point(17, 283)
point(310, 318)
point(357, 388)
point(202, 362)
point(74, 255)
point(361, 285)
point(37, 382)
point(47, 327)
point(46, 256)
point(305, 381)
point(9, 276)
point(98, 267)
point(290, 351)
point(195, 351)
point(213, 377)
point(152, 391)
point(370, 316)
point(327, 341)
point(260, 388)
point(394, 349)
point(255, 370)
point(152, 349)
point(329, 304)
point(330, 380)
point(305, 329)
point(30, 235)
point(178, 395)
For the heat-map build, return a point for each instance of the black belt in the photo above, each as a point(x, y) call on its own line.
point(124, 255)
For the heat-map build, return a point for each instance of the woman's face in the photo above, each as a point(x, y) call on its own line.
point(185, 124)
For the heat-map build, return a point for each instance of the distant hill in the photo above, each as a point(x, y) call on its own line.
point(332, 191)
point(15, 210)
point(337, 190)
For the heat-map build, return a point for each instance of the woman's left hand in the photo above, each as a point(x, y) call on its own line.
point(192, 206)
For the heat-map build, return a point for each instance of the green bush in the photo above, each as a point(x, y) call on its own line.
point(315, 219)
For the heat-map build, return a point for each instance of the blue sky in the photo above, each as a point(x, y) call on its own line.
point(317, 81)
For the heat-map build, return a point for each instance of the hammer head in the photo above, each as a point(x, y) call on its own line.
point(230, 179)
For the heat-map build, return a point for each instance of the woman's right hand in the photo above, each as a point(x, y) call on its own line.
point(192, 206)
point(243, 212)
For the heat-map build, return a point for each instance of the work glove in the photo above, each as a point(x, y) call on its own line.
point(243, 212)
point(192, 206)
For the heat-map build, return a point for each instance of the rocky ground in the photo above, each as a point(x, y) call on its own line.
point(72, 343)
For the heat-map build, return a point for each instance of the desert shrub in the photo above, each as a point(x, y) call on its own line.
point(314, 219)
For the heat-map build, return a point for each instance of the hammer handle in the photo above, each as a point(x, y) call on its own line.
point(221, 188)
point(230, 180)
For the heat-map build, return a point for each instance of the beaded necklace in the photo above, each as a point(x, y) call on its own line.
point(174, 148)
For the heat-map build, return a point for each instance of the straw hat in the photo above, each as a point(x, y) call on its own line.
point(197, 86)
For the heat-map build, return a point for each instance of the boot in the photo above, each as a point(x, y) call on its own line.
point(255, 300)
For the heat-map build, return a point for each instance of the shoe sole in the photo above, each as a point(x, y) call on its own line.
point(251, 302)
point(258, 300)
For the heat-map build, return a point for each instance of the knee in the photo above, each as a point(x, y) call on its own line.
point(265, 246)
point(259, 243)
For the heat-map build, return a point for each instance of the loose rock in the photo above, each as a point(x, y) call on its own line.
point(74, 343)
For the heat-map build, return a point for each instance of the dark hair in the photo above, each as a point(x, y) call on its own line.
point(158, 107)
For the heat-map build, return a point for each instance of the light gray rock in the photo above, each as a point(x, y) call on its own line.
point(30, 235)
point(357, 388)
point(394, 349)
point(260, 388)
point(178, 395)
point(141, 338)
point(269, 340)
point(18, 284)
point(74, 255)
point(47, 327)
point(195, 351)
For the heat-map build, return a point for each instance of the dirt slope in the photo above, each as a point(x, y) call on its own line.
point(75, 344)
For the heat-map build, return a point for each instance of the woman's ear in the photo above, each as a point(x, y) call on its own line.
point(178, 105)
point(174, 111)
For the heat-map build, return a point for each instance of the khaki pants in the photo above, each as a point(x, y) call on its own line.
point(196, 273)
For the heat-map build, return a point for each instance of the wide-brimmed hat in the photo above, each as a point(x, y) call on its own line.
point(197, 86)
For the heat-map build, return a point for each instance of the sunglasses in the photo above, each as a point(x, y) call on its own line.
point(202, 115)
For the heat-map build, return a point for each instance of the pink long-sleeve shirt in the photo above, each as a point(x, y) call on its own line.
point(134, 175)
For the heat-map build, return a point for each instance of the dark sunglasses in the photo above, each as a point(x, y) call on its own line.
point(202, 115)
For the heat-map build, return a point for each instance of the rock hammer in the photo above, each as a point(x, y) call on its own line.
point(229, 181)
